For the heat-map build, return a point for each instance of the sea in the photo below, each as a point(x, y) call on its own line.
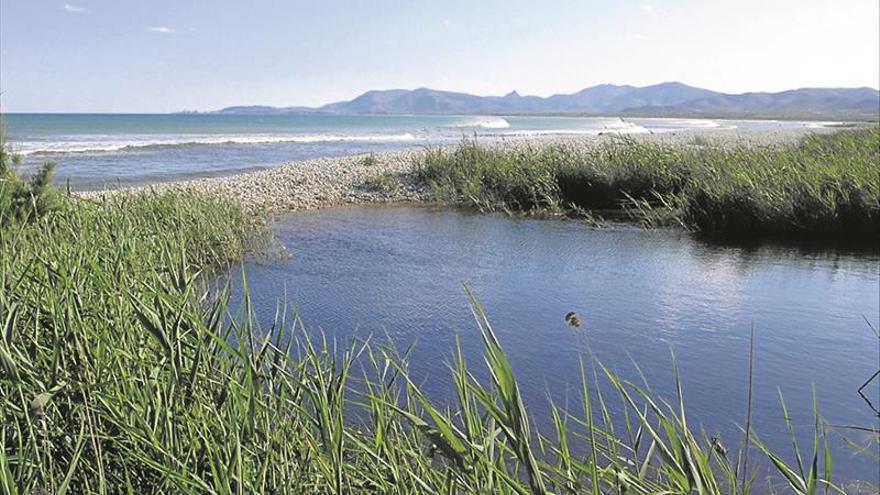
point(93, 151)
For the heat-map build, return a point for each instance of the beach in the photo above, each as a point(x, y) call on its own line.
point(350, 179)
point(513, 248)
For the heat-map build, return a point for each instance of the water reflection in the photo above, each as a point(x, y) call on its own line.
point(639, 294)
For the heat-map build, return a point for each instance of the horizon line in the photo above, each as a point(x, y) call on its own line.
point(363, 92)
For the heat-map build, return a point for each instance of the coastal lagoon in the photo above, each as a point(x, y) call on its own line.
point(100, 150)
point(398, 273)
point(402, 248)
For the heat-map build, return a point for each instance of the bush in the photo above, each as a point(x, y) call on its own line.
point(370, 160)
point(22, 200)
point(383, 183)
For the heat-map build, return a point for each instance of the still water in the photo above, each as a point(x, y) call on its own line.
point(640, 294)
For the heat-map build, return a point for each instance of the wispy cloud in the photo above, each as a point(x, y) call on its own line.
point(74, 9)
point(447, 22)
point(161, 29)
point(635, 36)
point(647, 7)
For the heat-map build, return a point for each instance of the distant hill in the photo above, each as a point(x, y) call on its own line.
point(670, 99)
point(804, 102)
point(262, 110)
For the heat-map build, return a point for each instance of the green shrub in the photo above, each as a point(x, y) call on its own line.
point(383, 183)
point(22, 200)
point(370, 160)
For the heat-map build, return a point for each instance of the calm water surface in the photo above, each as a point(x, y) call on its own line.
point(400, 270)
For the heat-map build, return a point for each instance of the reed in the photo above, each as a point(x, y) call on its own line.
point(824, 184)
point(123, 369)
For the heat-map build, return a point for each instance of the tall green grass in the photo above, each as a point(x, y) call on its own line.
point(99, 306)
point(123, 371)
point(824, 184)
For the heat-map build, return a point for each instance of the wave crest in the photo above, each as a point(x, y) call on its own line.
point(60, 147)
point(484, 122)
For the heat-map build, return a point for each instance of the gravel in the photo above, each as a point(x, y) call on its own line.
point(326, 182)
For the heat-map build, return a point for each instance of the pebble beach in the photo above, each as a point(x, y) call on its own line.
point(351, 180)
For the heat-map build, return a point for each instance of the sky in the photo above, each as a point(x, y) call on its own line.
point(172, 55)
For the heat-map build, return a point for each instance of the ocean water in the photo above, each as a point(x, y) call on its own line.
point(97, 150)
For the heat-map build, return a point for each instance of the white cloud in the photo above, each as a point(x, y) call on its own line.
point(647, 7)
point(74, 9)
point(161, 29)
point(447, 22)
point(635, 36)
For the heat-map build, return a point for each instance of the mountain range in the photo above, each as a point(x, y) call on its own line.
point(670, 99)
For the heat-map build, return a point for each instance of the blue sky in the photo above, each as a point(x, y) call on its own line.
point(164, 55)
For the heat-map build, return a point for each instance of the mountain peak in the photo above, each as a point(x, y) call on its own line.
point(670, 84)
point(669, 98)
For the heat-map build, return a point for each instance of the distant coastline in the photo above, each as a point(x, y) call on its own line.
point(130, 150)
point(665, 100)
point(845, 118)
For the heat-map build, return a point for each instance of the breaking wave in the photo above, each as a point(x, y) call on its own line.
point(618, 128)
point(121, 145)
point(484, 122)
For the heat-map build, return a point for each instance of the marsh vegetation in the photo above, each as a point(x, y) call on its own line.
point(123, 371)
point(822, 185)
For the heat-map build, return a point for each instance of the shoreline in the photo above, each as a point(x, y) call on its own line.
point(391, 176)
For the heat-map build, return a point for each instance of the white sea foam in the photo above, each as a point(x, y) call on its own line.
point(575, 132)
point(619, 127)
point(658, 124)
point(701, 123)
point(484, 122)
point(820, 125)
point(122, 143)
